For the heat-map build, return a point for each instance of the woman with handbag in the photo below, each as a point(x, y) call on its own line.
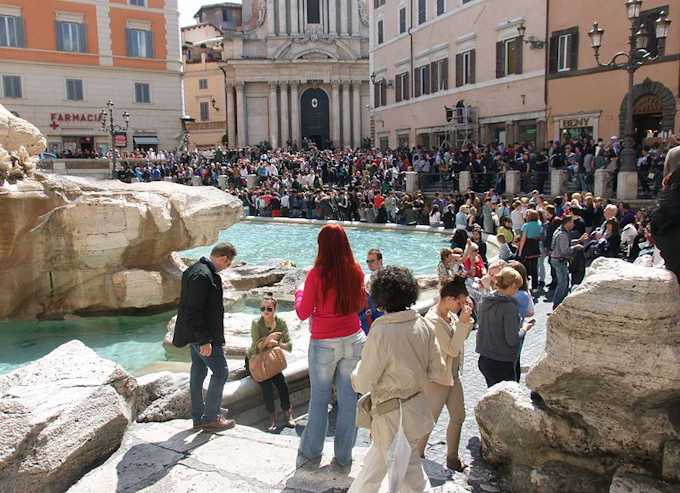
point(400, 356)
point(332, 294)
point(268, 332)
point(529, 250)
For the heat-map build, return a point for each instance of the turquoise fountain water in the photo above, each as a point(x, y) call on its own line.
point(135, 342)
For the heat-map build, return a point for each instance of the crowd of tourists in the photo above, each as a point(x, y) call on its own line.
point(311, 169)
point(366, 339)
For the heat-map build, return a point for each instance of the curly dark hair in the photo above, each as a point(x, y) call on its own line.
point(394, 289)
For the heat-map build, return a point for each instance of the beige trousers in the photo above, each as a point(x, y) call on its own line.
point(438, 395)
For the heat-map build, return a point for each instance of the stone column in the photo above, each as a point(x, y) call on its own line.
point(285, 133)
point(294, 17)
point(604, 183)
point(271, 17)
point(346, 120)
point(282, 17)
point(512, 182)
point(344, 20)
point(356, 116)
point(240, 114)
point(332, 18)
point(411, 182)
point(464, 181)
point(354, 12)
point(273, 116)
point(295, 112)
point(335, 112)
point(558, 182)
point(231, 117)
point(627, 185)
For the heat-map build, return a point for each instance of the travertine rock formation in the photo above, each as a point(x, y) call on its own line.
point(610, 381)
point(75, 245)
point(20, 143)
point(59, 416)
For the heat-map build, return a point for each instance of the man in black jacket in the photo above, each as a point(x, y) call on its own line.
point(200, 323)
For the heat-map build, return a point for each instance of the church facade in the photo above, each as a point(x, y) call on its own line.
point(292, 70)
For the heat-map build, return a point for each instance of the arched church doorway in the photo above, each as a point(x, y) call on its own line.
point(315, 115)
point(647, 116)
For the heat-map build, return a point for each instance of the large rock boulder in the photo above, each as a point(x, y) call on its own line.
point(255, 275)
point(75, 245)
point(609, 379)
point(59, 416)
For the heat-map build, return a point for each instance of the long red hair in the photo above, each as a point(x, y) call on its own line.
point(339, 270)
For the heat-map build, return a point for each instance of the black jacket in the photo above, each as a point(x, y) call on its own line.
point(200, 317)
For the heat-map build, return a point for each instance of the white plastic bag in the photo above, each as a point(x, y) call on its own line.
point(398, 456)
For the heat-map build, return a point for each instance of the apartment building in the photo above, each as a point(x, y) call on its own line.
point(483, 59)
point(587, 99)
point(61, 61)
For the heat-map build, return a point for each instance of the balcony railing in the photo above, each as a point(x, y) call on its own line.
point(219, 125)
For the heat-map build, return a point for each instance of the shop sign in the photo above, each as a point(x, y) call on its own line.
point(59, 119)
point(120, 139)
point(575, 123)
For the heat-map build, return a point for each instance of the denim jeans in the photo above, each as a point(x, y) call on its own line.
point(495, 371)
point(206, 411)
point(561, 267)
point(332, 361)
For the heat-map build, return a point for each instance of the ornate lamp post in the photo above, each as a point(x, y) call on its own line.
point(631, 60)
point(108, 125)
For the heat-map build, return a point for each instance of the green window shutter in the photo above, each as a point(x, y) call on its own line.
point(473, 66)
point(20, 27)
point(82, 38)
point(129, 42)
point(149, 44)
point(573, 50)
point(59, 34)
point(500, 59)
point(459, 70)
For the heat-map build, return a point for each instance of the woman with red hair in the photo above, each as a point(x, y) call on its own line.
point(332, 295)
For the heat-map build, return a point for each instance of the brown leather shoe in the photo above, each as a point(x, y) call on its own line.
point(220, 424)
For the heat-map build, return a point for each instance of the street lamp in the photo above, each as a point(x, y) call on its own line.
point(636, 56)
point(109, 126)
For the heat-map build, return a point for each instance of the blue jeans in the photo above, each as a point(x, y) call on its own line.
point(207, 411)
point(561, 267)
point(332, 361)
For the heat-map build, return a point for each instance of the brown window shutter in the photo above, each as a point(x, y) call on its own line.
point(434, 83)
point(445, 74)
point(383, 93)
point(459, 70)
point(416, 79)
point(407, 86)
point(376, 95)
point(519, 50)
point(473, 68)
point(573, 50)
point(552, 57)
point(426, 79)
point(500, 59)
point(397, 88)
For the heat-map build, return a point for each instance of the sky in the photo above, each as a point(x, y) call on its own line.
point(187, 9)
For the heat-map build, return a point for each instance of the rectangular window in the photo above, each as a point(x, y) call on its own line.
point(205, 111)
point(74, 89)
point(563, 53)
point(380, 93)
point(202, 83)
point(12, 31)
point(139, 3)
point(380, 32)
point(443, 74)
point(422, 11)
point(142, 92)
point(139, 43)
point(11, 86)
point(467, 67)
point(378, 3)
point(384, 143)
point(422, 80)
point(71, 36)
point(313, 12)
point(227, 16)
point(402, 90)
point(402, 20)
point(441, 7)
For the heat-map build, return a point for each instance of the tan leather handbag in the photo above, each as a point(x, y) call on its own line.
point(266, 362)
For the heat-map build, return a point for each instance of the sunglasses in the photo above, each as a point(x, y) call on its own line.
point(266, 309)
point(369, 261)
